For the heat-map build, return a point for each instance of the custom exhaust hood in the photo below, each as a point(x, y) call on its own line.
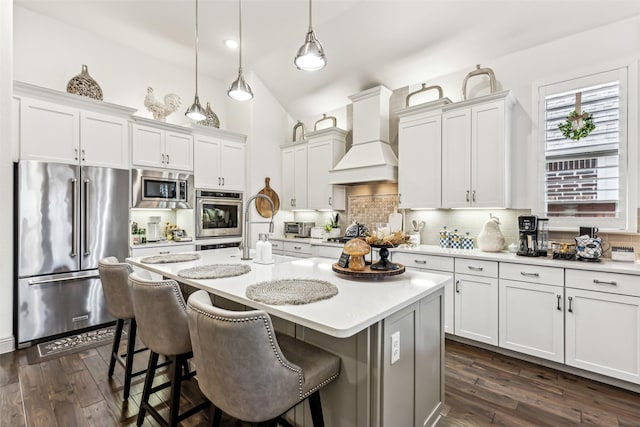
point(370, 157)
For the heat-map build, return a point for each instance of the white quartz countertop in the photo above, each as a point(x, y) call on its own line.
point(359, 304)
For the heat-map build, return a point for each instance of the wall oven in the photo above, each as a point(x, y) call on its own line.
point(218, 214)
point(161, 189)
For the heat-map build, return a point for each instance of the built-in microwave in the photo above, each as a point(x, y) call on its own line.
point(218, 214)
point(161, 189)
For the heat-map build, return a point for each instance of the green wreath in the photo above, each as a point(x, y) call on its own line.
point(582, 132)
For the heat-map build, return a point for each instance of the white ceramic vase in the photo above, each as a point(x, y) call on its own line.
point(490, 238)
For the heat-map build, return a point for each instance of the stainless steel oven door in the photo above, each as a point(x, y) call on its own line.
point(218, 217)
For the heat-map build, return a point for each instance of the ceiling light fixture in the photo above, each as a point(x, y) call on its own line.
point(240, 90)
point(310, 56)
point(195, 111)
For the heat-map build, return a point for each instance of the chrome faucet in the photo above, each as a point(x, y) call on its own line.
point(247, 223)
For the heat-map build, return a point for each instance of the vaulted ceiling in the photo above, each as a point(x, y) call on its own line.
point(392, 42)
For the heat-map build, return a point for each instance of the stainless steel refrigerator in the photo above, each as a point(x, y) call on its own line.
point(67, 217)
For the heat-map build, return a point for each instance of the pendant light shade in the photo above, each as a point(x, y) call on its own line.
point(310, 56)
point(240, 89)
point(195, 111)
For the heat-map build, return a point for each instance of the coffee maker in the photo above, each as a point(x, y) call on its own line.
point(533, 235)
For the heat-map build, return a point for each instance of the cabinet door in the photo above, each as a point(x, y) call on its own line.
point(49, 132)
point(318, 172)
point(288, 178)
point(488, 155)
point(531, 319)
point(206, 163)
point(420, 163)
point(449, 309)
point(476, 308)
point(147, 147)
point(178, 151)
point(104, 140)
point(603, 333)
point(232, 166)
point(456, 159)
point(300, 177)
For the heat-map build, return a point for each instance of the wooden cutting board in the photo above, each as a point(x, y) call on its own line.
point(262, 205)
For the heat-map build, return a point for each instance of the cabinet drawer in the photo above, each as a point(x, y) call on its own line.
point(277, 247)
point(624, 284)
point(476, 267)
point(161, 250)
point(297, 247)
point(532, 273)
point(331, 252)
point(430, 262)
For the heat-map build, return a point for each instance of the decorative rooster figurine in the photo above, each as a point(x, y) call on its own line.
point(159, 109)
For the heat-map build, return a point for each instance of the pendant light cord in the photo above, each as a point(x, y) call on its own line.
point(196, 47)
point(240, 35)
point(310, 26)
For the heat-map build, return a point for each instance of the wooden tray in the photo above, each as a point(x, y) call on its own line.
point(263, 206)
point(368, 273)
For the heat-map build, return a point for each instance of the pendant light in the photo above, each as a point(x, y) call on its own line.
point(195, 111)
point(240, 89)
point(310, 56)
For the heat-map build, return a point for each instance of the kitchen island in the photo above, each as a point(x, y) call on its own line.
point(388, 333)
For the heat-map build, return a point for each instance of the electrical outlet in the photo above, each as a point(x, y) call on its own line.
point(395, 347)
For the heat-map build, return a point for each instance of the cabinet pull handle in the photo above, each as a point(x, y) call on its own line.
point(167, 159)
point(164, 252)
point(457, 287)
point(558, 307)
point(524, 273)
point(163, 159)
point(82, 154)
point(601, 282)
point(470, 267)
point(467, 195)
point(420, 261)
point(75, 154)
point(399, 198)
point(570, 308)
point(297, 248)
point(473, 195)
point(329, 200)
point(219, 182)
point(223, 181)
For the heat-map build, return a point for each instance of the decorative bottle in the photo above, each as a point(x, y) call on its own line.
point(267, 250)
point(259, 249)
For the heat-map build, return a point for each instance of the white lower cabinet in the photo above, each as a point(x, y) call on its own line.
point(603, 323)
point(476, 300)
point(531, 310)
point(173, 248)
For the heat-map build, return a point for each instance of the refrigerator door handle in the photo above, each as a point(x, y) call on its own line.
point(86, 217)
point(74, 212)
point(41, 280)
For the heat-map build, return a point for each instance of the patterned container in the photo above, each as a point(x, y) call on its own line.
point(84, 85)
point(456, 239)
point(467, 241)
point(445, 239)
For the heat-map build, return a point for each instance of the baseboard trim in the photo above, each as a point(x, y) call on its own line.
point(7, 345)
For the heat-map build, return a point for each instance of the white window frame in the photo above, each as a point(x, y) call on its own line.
point(627, 74)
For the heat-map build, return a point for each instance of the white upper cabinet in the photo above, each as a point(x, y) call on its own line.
point(325, 149)
point(420, 155)
point(294, 176)
point(219, 161)
point(161, 145)
point(65, 128)
point(476, 152)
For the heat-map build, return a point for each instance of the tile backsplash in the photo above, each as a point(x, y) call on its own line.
point(369, 209)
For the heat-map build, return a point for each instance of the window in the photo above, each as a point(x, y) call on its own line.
point(585, 181)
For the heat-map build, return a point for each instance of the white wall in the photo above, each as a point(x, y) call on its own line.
point(48, 53)
point(6, 176)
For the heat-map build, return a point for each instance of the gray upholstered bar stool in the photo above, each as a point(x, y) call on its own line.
point(249, 373)
point(162, 323)
point(114, 276)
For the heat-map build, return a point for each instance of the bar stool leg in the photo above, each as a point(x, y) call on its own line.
point(148, 383)
point(316, 409)
point(217, 417)
point(116, 346)
point(177, 363)
point(131, 349)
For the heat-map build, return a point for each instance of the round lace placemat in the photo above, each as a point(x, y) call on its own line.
point(168, 258)
point(291, 291)
point(214, 271)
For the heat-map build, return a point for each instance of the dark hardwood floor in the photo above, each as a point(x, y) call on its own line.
point(482, 388)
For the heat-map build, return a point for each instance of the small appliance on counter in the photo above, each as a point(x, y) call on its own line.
point(153, 229)
point(298, 229)
point(533, 235)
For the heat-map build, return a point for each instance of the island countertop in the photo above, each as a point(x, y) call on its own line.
point(358, 304)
